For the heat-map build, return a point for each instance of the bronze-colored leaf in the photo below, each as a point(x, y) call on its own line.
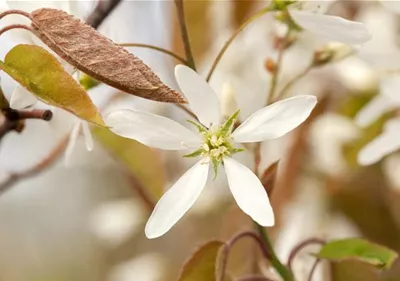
point(94, 54)
point(201, 266)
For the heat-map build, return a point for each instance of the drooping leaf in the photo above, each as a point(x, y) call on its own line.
point(358, 249)
point(94, 54)
point(201, 266)
point(43, 75)
point(141, 160)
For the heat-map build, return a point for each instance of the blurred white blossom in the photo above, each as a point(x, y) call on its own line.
point(116, 221)
point(311, 17)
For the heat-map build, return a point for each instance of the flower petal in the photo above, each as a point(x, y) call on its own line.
point(88, 135)
point(275, 120)
point(201, 97)
point(152, 130)
point(332, 27)
point(373, 110)
point(177, 200)
point(389, 87)
point(379, 147)
point(73, 137)
point(248, 192)
point(21, 98)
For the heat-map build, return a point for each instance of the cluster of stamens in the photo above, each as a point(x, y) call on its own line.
point(217, 142)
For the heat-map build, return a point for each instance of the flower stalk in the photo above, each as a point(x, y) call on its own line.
point(185, 34)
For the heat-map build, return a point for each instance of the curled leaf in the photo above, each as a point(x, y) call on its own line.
point(94, 54)
point(43, 75)
point(201, 266)
point(358, 249)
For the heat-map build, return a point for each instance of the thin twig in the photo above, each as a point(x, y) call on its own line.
point(233, 36)
point(313, 268)
point(165, 51)
point(15, 12)
point(232, 242)
point(275, 75)
point(14, 26)
point(293, 81)
point(184, 33)
point(40, 167)
point(301, 246)
point(101, 12)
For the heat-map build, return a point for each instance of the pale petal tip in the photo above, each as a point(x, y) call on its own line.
point(151, 233)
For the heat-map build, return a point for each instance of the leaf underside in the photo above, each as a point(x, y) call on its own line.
point(94, 54)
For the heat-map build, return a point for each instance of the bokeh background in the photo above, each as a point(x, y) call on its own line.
point(85, 221)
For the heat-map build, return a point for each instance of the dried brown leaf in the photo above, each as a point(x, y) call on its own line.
point(94, 54)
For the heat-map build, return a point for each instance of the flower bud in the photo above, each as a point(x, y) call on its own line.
point(270, 65)
point(228, 100)
point(332, 52)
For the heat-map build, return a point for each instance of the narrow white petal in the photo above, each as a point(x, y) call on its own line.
point(88, 135)
point(389, 87)
point(248, 192)
point(332, 27)
point(201, 97)
point(275, 120)
point(71, 143)
point(373, 110)
point(22, 98)
point(384, 144)
point(152, 130)
point(177, 200)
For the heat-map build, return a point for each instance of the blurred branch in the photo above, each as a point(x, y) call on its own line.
point(313, 268)
point(294, 81)
point(40, 167)
point(232, 242)
point(184, 33)
point(12, 120)
point(282, 45)
point(233, 36)
point(301, 246)
point(165, 51)
point(101, 12)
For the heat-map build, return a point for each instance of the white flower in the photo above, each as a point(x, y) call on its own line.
point(389, 141)
point(384, 144)
point(335, 28)
point(213, 144)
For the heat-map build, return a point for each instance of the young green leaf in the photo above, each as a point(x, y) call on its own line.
point(358, 249)
point(43, 75)
point(201, 266)
point(94, 54)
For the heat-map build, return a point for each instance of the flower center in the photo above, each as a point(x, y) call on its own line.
point(217, 142)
